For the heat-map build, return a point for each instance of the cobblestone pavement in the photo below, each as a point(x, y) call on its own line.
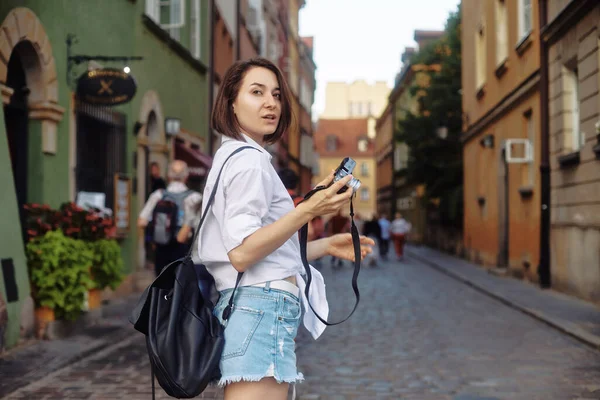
point(417, 334)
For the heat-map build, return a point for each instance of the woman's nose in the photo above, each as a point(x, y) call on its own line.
point(270, 101)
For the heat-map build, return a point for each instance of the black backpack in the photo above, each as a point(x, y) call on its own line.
point(183, 337)
point(167, 217)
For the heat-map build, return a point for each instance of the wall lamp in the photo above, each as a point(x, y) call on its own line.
point(172, 126)
point(487, 142)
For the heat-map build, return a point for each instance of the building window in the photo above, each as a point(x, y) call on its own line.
point(369, 108)
point(169, 14)
point(501, 32)
point(572, 134)
point(525, 18)
point(358, 108)
point(364, 169)
point(364, 194)
point(480, 58)
point(400, 157)
point(331, 143)
point(363, 145)
point(196, 35)
point(350, 109)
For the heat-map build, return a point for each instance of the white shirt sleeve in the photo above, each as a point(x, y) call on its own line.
point(191, 206)
point(248, 195)
point(150, 204)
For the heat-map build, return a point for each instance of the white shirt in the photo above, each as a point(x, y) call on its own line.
point(190, 203)
point(401, 226)
point(249, 196)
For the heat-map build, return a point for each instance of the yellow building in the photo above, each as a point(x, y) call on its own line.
point(354, 100)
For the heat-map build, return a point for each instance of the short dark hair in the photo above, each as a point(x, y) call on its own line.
point(223, 119)
point(289, 178)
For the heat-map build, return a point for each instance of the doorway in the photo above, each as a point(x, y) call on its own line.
point(503, 210)
point(16, 121)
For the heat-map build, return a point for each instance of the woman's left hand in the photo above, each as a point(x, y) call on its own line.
point(341, 246)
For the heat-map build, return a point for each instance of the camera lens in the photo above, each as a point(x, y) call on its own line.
point(354, 184)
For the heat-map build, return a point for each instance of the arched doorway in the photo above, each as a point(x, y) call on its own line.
point(16, 120)
point(29, 92)
point(29, 95)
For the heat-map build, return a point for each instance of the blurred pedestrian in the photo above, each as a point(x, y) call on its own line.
point(171, 213)
point(372, 230)
point(384, 242)
point(156, 180)
point(399, 231)
point(359, 222)
point(336, 225)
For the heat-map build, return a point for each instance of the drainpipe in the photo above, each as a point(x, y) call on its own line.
point(393, 191)
point(211, 74)
point(238, 11)
point(544, 266)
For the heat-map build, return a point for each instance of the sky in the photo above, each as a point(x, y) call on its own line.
point(364, 39)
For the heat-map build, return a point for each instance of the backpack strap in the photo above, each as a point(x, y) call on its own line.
point(227, 311)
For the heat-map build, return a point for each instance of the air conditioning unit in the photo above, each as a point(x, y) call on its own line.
point(527, 153)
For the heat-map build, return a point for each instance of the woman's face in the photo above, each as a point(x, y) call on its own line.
point(257, 106)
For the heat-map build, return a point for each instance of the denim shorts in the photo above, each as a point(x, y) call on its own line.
point(259, 335)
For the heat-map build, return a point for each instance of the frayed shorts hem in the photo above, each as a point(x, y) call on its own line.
point(226, 380)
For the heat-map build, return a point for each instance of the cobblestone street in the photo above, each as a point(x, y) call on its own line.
point(418, 334)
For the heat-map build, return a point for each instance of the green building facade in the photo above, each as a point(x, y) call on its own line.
point(54, 145)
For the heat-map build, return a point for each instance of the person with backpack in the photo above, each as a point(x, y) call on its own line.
point(249, 242)
point(169, 210)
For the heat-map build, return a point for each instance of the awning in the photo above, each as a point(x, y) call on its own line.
point(198, 162)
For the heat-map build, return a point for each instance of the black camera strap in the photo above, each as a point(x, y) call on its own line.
point(357, 258)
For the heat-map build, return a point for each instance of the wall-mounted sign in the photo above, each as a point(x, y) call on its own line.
point(107, 86)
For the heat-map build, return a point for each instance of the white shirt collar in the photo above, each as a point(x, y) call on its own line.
point(250, 142)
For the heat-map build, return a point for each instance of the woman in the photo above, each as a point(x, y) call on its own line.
point(400, 229)
point(252, 228)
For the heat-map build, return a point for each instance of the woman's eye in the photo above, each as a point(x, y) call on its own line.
point(277, 95)
point(257, 92)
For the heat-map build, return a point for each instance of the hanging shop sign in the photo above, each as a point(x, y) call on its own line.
point(107, 86)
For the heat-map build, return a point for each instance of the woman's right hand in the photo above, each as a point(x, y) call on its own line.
point(328, 201)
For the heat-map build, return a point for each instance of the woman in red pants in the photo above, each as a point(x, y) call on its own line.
point(399, 230)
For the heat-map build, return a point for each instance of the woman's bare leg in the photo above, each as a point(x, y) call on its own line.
point(266, 388)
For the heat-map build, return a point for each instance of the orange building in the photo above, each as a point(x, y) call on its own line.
point(501, 102)
point(339, 138)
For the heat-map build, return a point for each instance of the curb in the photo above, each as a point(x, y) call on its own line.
point(572, 330)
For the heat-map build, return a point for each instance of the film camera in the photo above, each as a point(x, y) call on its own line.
point(345, 168)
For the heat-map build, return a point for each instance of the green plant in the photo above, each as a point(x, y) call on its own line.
point(59, 270)
point(107, 266)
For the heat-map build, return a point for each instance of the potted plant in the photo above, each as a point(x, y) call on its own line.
point(59, 270)
point(106, 270)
